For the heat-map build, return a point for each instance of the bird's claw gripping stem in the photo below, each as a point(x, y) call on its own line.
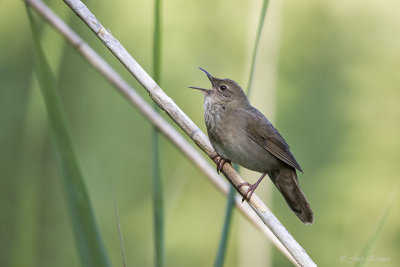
point(252, 188)
point(220, 163)
point(249, 192)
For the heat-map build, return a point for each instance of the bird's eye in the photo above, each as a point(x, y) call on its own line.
point(223, 87)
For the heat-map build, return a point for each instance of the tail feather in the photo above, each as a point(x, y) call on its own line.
point(288, 184)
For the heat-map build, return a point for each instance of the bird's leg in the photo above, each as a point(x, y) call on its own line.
point(220, 163)
point(252, 187)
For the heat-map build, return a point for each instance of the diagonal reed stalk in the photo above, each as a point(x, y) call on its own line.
point(259, 214)
point(89, 242)
point(157, 194)
point(231, 196)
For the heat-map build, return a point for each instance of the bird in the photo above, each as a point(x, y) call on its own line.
point(241, 134)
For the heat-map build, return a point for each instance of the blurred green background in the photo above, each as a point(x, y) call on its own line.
point(336, 100)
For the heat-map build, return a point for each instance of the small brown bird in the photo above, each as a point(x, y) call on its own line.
point(243, 135)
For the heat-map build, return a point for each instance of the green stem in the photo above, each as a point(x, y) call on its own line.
point(255, 49)
point(158, 202)
point(157, 42)
point(219, 261)
point(88, 239)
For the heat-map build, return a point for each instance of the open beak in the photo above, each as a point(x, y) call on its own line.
point(199, 88)
point(210, 77)
point(208, 74)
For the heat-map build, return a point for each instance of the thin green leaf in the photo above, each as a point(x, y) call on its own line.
point(230, 203)
point(157, 42)
point(366, 252)
point(29, 188)
point(158, 199)
point(89, 242)
point(219, 261)
point(255, 49)
point(121, 239)
point(158, 204)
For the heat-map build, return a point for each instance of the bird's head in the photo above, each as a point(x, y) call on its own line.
point(224, 91)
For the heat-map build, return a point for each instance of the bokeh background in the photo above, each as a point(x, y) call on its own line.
point(330, 75)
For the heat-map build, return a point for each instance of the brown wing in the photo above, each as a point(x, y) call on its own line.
point(261, 131)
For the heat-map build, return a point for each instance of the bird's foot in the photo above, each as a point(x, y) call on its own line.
point(249, 192)
point(251, 189)
point(220, 163)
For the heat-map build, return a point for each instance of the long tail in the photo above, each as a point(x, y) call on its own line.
point(288, 185)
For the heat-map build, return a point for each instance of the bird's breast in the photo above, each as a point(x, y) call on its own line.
point(225, 129)
point(227, 133)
